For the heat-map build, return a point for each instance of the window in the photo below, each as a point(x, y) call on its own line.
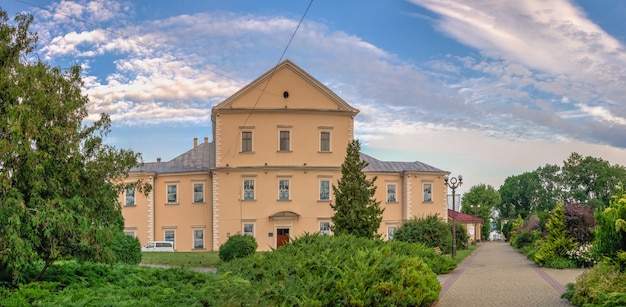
point(170, 236)
point(246, 141)
point(130, 233)
point(248, 189)
point(324, 190)
point(325, 228)
point(130, 196)
point(284, 140)
point(172, 194)
point(248, 229)
point(391, 193)
point(198, 192)
point(198, 239)
point(391, 231)
point(283, 189)
point(428, 192)
point(325, 141)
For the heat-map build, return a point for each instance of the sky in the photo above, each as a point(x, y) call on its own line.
point(483, 88)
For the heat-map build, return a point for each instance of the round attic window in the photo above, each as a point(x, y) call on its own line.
point(286, 94)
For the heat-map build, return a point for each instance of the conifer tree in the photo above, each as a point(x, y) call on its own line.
point(356, 211)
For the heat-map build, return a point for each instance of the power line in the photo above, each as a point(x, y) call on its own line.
point(273, 71)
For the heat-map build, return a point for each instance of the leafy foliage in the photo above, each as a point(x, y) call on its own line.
point(431, 231)
point(461, 234)
point(579, 222)
point(238, 246)
point(57, 179)
point(127, 249)
point(610, 238)
point(519, 195)
point(341, 270)
point(356, 212)
point(480, 200)
point(93, 284)
point(589, 177)
point(602, 285)
point(557, 243)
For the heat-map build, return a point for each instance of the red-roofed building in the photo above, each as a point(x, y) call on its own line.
point(472, 224)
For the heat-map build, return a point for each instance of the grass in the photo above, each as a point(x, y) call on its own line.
point(461, 254)
point(186, 259)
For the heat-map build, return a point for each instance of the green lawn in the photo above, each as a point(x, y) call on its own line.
point(464, 253)
point(189, 259)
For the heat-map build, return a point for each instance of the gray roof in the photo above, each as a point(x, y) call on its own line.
point(376, 165)
point(200, 158)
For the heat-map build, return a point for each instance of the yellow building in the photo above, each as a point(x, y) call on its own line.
point(277, 149)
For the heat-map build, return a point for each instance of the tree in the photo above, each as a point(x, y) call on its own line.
point(356, 212)
point(590, 178)
point(431, 231)
point(519, 195)
point(552, 190)
point(484, 196)
point(59, 183)
point(557, 243)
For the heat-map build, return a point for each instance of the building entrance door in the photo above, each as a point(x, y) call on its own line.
point(282, 236)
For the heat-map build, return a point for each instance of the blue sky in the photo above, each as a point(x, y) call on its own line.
point(483, 88)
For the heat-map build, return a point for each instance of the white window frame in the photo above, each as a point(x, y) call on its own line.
point(249, 233)
point(280, 148)
point(280, 190)
point(330, 149)
point(391, 232)
point(194, 238)
point(165, 236)
point(328, 193)
point(395, 193)
point(243, 188)
point(193, 196)
point(167, 193)
point(325, 230)
point(131, 233)
point(429, 194)
point(251, 141)
point(126, 197)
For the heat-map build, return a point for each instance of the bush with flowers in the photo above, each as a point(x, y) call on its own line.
point(582, 255)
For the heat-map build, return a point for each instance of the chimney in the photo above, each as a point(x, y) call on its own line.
point(195, 142)
point(206, 139)
point(159, 159)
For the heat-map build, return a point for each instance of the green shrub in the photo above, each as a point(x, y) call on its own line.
point(127, 249)
point(560, 263)
point(431, 231)
point(602, 285)
point(97, 284)
point(341, 270)
point(237, 246)
point(610, 237)
point(557, 243)
point(461, 235)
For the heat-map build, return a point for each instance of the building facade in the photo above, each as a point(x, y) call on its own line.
point(277, 149)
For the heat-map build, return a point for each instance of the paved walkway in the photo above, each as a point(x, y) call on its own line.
point(497, 275)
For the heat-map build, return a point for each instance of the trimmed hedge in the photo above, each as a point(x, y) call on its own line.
point(237, 246)
point(127, 249)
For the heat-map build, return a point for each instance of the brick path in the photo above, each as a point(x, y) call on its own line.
point(497, 275)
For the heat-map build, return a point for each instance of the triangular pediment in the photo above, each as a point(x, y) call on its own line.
point(285, 86)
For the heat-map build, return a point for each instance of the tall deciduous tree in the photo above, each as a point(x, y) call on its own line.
point(59, 183)
point(356, 211)
point(480, 200)
point(592, 178)
point(519, 195)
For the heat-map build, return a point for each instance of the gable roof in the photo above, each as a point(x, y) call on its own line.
point(286, 65)
point(463, 217)
point(199, 158)
point(376, 165)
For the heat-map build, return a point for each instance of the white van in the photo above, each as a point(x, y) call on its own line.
point(158, 246)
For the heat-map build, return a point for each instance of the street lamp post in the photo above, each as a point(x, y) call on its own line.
point(453, 183)
point(475, 208)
